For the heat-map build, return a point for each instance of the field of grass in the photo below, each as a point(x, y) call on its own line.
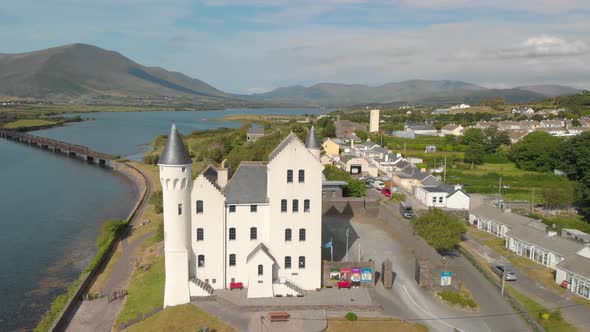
point(146, 290)
point(373, 325)
point(28, 123)
point(180, 318)
point(555, 323)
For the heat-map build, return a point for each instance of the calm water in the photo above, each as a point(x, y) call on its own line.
point(52, 206)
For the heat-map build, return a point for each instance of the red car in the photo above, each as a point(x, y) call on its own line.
point(386, 192)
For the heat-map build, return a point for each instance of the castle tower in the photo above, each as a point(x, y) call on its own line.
point(374, 121)
point(176, 178)
point(312, 143)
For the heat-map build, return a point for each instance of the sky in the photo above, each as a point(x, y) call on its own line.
point(254, 46)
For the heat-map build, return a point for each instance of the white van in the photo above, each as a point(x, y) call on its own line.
point(378, 184)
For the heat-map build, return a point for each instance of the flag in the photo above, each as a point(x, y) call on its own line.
point(328, 244)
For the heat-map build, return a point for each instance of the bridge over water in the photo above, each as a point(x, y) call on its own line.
point(72, 150)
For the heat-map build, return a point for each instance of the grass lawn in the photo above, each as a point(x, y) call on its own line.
point(146, 291)
point(374, 325)
point(556, 323)
point(180, 318)
point(27, 123)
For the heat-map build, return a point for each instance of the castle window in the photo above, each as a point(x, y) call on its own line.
point(201, 261)
point(287, 262)
point(260, 269)
point(200, 234)
point(301, 176)
point(180, 209)
point(253, 233)
point(253, 208)
point(295, 205)
point(288, 234)
point(232, 208)
point(306, 205)
point(302, 234)
point(183, 169)
point(283, 205)
point(290, 176)
point(232, 233)
point(302, 262)
point(232, 260)
point(199, 206)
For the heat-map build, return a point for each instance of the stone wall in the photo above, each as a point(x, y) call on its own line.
point(351, 206)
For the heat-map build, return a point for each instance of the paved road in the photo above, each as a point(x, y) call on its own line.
point(573, 312)
point(100, 315)
point(408, 301)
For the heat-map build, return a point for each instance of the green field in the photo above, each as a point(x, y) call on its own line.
point(29, 123)
point(180, 318)
point(555, 323)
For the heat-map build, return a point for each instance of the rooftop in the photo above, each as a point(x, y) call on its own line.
point(256, 130)
point(577, 264)
point(248, 184)
point(557, 244)
point(175, 152)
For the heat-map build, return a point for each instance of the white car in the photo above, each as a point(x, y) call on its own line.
point(378, 184)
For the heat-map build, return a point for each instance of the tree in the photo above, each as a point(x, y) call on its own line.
point(354, 188)
point(474, 154)
point(574, 161)
point(472, 135)
point(440, 230)
point(361, 134)
point(560, 197)
point(494, 138)
point(537, 151)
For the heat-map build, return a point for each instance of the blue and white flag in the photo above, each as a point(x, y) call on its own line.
point(328, 244)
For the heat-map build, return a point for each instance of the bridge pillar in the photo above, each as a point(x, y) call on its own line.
point(72, 154)
point(90, 159)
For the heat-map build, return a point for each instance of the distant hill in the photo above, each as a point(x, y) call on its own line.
point(551, 91)
point(411, 92)
point(88, 73)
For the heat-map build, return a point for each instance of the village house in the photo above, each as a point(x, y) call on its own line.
point(331, 148)
point(357, 165)
point(516, 135)
point(254, 133)
point(523, 111)
point(486, 124)
point(442, 195)
point(421, 129)
point(345, 128)
point(452, 129)
point(261, 229)
point(552, 124)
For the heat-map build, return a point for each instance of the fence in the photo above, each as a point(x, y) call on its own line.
point(140, 317)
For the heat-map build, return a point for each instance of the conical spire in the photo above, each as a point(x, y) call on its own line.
point(175, 153)
point(312, 141)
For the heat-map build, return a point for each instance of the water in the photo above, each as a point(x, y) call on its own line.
point(52, 206)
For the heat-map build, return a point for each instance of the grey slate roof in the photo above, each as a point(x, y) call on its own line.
point(256, 130)
point(507, 218)
point(557, 244)
point(312, 141)
point(175, 152)
point(577, 264)
point(259, 247)
point(248, 184)
point(211, 174)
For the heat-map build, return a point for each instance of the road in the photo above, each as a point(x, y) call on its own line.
point(406, 300)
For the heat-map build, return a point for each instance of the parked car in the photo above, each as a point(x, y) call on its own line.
point(405, 210)
point(509, 276)
point(386, 192)
point(378, 184)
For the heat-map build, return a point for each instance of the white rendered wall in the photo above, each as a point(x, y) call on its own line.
point(212, 221)
point(458, 200)
point(176, 186)
point(295, 156)
point(242, 220)
point(374, 121)
point(260, 286)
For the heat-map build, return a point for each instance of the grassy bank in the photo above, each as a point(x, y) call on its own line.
point(109, 232)
point(377, 324)
point(180, 318)
point(553, 323)
point(29, 123)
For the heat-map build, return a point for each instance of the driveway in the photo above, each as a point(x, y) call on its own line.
point(408, 301)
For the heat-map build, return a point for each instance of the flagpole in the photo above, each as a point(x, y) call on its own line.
point(331, 250)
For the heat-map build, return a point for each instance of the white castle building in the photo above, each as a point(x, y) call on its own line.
point(261, 228)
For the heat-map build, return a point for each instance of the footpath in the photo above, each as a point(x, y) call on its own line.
point(573, 311)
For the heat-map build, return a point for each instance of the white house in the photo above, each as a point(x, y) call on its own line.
point(452, 129)
point(443, 195)
point(261, 227)
point(574, 273)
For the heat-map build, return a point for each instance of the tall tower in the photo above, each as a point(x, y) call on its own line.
point(374, 121)
point(176, 178)
point(312, 143)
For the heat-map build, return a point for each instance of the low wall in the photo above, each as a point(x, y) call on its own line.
point(142, 188)
point(327, 267)
point(350, 206)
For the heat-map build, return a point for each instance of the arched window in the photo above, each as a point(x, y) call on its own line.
point(301, 176)
point(302, 234)
point(260, 269)
point(200, 234)
point(232, 259)
point(295, 205)
point(289, 176)
point(302, 262)
point(180, 209)
point(283, 205)
point(199, 206)
point(201, 261)
point(306, 205)
point(253, 233)
point(287, 262)
point(288, 234)
point(232, 233)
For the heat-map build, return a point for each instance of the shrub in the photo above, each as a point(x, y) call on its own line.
point(351, 316)
point(544, 316)
point(157, 202)
point(462, 298)
point(398, 197)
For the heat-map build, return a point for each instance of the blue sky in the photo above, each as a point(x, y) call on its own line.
point(246, 46)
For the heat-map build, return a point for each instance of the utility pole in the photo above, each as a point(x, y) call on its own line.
point(533, 200)
point(499, 191)
point(405, 155)
point(347, 233)
point(445, 170)
point(505, 267)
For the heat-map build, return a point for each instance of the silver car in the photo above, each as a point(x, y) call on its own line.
point(509, 276)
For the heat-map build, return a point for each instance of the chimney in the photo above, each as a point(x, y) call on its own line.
point(387, 157)
point(458, 187)
point(222, 175)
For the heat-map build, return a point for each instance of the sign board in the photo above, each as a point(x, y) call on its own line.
point(366, 275)
point(445, 278)
point(355, 276)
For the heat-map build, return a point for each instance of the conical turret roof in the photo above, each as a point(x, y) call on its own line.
point(312, 141)
point(175, 152)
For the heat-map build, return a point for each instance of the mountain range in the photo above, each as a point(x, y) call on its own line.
point(82, 73)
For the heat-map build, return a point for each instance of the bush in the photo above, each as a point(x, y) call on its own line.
point(398, 197)
point(157, 201)
point(544, 316)
point(351, 316)
point(462, 298)
point(439, 229)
